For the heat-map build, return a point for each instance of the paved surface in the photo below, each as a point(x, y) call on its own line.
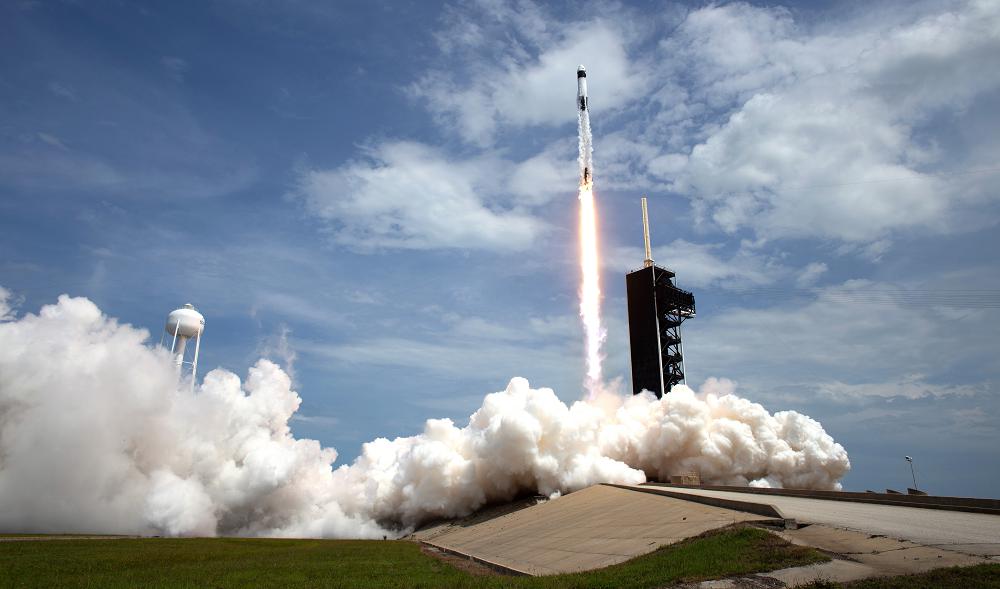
point(593, 528)
point(970, 533)
point(886, 556)
point(860, 556)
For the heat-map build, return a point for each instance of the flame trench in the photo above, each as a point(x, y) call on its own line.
point(590, 287)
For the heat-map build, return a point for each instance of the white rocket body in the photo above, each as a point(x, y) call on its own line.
point(583, 112)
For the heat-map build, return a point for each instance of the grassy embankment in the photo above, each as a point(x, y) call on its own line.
point(984, 576)
point(229, 562)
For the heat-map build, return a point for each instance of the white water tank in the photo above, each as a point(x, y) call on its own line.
point(185, 321)
point(183, 324)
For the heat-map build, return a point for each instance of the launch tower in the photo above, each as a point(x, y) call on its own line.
point(656, 309)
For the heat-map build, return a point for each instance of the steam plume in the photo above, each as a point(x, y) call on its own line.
point(96, 436)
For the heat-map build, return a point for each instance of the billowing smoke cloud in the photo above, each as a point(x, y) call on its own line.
point(96, 436)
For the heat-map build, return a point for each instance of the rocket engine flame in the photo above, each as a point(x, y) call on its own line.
point(590, 283)
point(590, 289)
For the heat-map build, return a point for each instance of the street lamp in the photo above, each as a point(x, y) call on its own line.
point(912, 472)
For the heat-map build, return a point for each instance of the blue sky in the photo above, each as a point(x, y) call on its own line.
point(382, 196)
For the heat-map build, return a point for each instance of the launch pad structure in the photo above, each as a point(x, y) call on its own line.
point(656, 310)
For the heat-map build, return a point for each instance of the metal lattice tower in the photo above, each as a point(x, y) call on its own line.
point(656, 310)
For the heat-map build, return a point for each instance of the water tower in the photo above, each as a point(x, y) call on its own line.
point(183, 324)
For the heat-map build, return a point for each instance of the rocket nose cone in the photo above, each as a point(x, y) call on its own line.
point(581, 72)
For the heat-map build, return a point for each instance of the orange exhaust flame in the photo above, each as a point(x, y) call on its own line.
point(590, 288)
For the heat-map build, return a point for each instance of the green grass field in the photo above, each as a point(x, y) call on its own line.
point(227, 562)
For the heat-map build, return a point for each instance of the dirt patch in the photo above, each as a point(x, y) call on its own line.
point(431, 529)
point(55, 537)
point(463, 564)
point(757, 582)
point(746, 582)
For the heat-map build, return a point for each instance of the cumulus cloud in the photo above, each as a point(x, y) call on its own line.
point(411, 196)
point(7, 304)
point(97, 436)
point(850, 341)
point(826, 134)
point(541, 177)
point(765, 123)
point(704, 264)
point(810, 274)
point(485, 85)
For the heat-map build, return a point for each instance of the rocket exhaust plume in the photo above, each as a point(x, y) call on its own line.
point(590, 284)
point(98, 436)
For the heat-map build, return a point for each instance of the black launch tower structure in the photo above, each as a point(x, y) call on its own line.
point(656, 310)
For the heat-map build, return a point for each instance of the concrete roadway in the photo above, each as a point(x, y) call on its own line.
point(971, 533)
point(588, 529)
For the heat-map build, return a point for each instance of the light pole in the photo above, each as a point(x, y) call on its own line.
point(912, 472)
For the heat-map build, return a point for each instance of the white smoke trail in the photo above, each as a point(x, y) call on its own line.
point(96, 436)
point(590, 283)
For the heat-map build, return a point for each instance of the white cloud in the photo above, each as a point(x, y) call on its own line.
point(547, 347)
point(279, 346)
point(441, 358)
point(974, 420)
point(482, 86)
point(58, 169)
point(828, 137)
point(53, 141)
point(286, 305)
point(175, 67)
point(763, 123)
point(410, 196)
point(538, 179)
point(859, 338)
point(788, 170)
point(908, 386)
point(365, 296)
point(810, 274)
point(623, 161)
point(317, 420)
point(8, 302)
point(703, 264)
point(63, 91)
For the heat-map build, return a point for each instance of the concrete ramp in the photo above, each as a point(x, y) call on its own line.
point(589, 529)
